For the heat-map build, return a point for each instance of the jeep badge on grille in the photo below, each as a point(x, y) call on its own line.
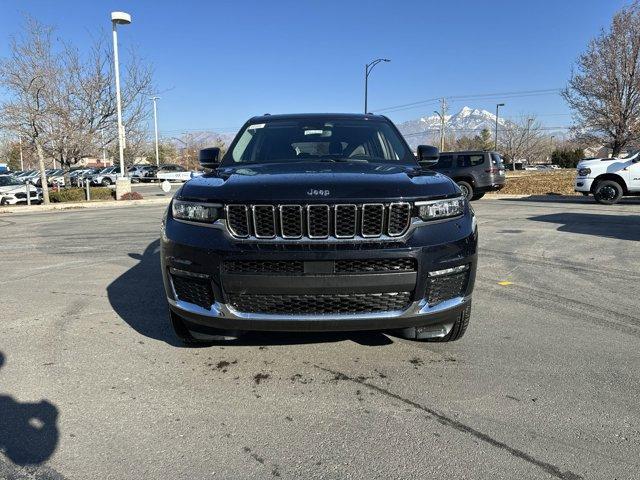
point(318, 193)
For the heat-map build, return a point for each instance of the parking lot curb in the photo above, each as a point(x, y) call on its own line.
point(82, 205)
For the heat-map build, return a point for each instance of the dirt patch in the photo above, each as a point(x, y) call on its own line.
point(540, 183)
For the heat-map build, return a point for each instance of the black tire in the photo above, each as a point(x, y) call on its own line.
point(456, 333)
point(477, 196)
point(214, 335)
point(467, 189)
point(106, 182)
point(3, 201)
point(607, 192)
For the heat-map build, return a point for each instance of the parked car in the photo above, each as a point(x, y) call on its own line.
point(13, 191)
point(609, 179)
point(475, 172)
point(30, 176)
point(54, 176)
point(142, 173)
point(174, 173)
point(82, 175)
point(319, 223)
point(105, 177)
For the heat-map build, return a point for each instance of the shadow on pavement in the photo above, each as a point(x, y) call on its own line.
point(138, 297)
point(576, 199)
point(28, 431)
point(620, 227)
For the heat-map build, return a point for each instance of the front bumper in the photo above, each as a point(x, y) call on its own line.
point(583, 184)
point(200, 252)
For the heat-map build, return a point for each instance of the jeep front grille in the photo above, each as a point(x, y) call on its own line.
point(318, 221)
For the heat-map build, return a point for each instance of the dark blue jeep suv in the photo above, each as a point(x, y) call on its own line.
point(319, 222)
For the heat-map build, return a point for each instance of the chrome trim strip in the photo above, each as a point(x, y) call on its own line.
point(280, 207)
point(316, 237)
point(335, 219)
point(221, 310)
point(273, 220)
point(231, 231)
point(406, 227)
point(364, 206)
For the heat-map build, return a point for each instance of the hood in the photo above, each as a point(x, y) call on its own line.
point(318, 182)
point(13, 188)
point(609, 164)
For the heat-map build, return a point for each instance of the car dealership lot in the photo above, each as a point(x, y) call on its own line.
point(543, 385)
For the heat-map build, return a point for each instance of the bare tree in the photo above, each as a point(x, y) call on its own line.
point(28, 75)
point(604, 88)
point(87, 104)
point(63, 102)
point(523, 140)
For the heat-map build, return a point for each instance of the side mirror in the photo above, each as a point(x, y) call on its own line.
point(209, 157)
point(428, 155)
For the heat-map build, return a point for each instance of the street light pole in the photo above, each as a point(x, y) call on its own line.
point(497, 113)
point(155, 124)
point(119, 18)
point(367, 70)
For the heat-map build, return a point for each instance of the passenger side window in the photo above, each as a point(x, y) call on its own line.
point(445, 161)
point(466, 161)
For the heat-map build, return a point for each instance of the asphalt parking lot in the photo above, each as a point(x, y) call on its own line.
point(545, 384)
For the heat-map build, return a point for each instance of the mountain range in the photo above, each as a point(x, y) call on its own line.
point(425, 130)
point(467, 122)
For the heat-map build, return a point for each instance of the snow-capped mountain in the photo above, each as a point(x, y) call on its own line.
point(467, 122)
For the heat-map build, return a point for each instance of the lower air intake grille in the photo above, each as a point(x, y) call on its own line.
point(446, 287)
point(263, 266)
point(321, 304)
point(376, 265)
point(193, 290)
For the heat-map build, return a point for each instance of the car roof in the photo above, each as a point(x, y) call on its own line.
point(470, 151)
point(315, 116)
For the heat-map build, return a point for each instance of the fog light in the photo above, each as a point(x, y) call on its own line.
point(449, 271)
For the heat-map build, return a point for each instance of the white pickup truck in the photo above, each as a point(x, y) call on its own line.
point(609, 179)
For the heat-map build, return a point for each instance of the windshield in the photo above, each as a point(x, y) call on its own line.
point(331, 140)
point(8, 180)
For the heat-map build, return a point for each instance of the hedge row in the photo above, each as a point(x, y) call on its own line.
point(79, 194)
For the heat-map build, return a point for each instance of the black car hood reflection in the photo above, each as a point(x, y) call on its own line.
point(317, 182)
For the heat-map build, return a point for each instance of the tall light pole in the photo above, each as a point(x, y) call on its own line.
point(155, 124)
point(497, 113)
point(119, 18)
point(367, 70)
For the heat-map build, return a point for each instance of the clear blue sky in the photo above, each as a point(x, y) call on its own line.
point(224, 61)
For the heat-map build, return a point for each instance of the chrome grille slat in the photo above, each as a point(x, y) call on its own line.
point(291, 221)
point(264, 221)
point(372, 223)
point(319, 221)
point(345, 220)
point(399, 218)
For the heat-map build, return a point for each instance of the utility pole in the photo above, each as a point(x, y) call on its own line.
point(529, 121)
point(497, 113)
point(443, 116)
point(21, 160)
point(155, 124)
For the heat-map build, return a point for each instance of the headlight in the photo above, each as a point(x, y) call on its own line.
point(195, 212)
point(583, 172)
point(436, 209)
